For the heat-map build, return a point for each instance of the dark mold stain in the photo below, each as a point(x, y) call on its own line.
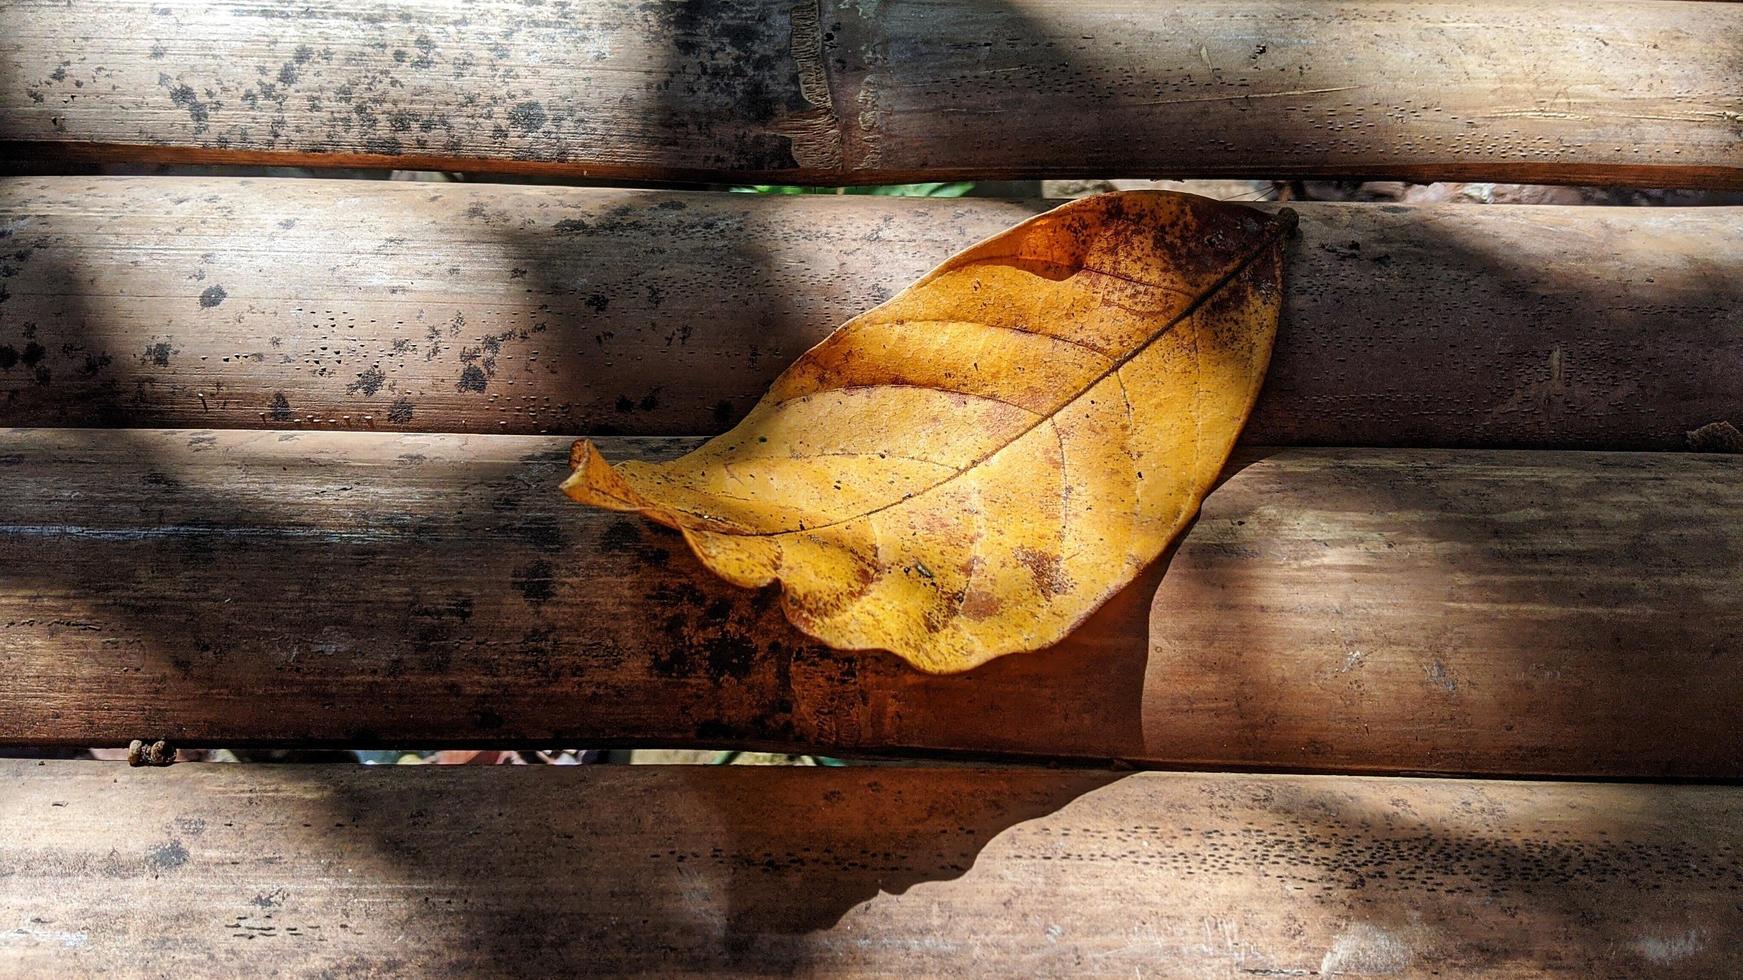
point(368, 382)
point(400, 412)
point(720, 639)
point(167, 856)
point(541, 531)
point(184, 97)
point(621, 538)
point(528, 117)
point(159, 353)
point(538, 651)
point(426, 49)
point(472, 379)
point(281, 409)
point(730, 655)
point(435, 631)
point(93, 364)
point(536, 582)
point(212, 296)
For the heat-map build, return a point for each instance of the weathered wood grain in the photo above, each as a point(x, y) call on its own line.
point(1331, 610)
point(1596, 91)
point(205, 870)
point(374, 305)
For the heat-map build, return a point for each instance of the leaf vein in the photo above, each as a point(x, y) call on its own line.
point(1280, 222)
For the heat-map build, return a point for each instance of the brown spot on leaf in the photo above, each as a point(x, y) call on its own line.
point(1046, 571)
point(981, 605)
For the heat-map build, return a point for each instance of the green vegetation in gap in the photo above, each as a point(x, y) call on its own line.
point(956, 189)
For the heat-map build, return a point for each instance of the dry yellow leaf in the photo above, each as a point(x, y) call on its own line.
point(971, 468)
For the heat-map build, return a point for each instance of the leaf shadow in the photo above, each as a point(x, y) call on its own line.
point(769, 863)
point(739, 870)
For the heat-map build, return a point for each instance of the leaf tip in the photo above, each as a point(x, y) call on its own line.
point(593, 481)
point(579, 451)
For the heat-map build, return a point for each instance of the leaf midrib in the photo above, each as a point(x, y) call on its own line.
point(1280, 222)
